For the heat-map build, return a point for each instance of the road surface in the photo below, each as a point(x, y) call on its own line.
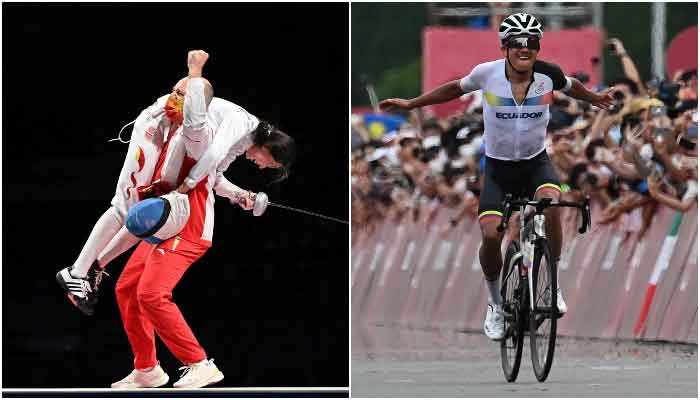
point(393, 362)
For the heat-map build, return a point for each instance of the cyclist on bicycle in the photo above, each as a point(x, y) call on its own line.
point(517, 91)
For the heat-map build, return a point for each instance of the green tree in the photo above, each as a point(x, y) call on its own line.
point(631, 23)
point(385, 36)
point(403, 82)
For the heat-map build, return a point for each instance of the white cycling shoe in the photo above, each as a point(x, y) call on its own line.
point(494, 324)
point(154, 378)
point(561, 305)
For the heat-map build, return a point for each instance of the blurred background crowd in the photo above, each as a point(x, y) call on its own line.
point(640, 153)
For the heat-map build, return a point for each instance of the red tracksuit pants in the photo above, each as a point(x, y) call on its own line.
point(144, 294)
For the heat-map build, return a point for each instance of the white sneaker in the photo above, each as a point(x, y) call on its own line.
point(561, 305)
point(156, 377)
point(199, 374)
point(494, 325)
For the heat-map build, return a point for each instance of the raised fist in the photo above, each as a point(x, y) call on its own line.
point(197, 58)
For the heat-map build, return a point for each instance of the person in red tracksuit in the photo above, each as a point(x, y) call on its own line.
point(144, 289)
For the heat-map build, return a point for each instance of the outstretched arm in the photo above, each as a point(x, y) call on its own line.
point(443, 93)
point(603, 99)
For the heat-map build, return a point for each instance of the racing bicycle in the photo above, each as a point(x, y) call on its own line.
point(529, 287)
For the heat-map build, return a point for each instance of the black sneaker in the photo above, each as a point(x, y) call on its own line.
point(79, 290)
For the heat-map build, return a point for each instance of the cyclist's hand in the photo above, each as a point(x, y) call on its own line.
point(389, 104)
point(603, 99)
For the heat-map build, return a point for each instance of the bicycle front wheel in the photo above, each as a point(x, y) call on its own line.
point(514, 310)
point(543, 316)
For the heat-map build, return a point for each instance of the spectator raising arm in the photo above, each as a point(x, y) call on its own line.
point(627, 64)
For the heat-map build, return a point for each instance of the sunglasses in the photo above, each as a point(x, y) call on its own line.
point(531, 43)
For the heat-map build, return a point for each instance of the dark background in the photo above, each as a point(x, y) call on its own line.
point(269, 300)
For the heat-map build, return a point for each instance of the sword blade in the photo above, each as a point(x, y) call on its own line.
point(307, 212)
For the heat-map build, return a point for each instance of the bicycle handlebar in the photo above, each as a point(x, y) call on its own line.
point(540, 205)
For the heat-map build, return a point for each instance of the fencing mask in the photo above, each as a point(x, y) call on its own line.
point(160, 218)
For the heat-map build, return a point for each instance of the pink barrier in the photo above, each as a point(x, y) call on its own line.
point(397, 276)
point(676, 321)
point(675, 284)
point(579, 271)
point(424, 275)
point(640, 270)
point(365, 267)
point(392, 282)
point(462, 286)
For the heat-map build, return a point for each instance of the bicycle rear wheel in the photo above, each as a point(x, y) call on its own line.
point(543, 316)
point(513, 293)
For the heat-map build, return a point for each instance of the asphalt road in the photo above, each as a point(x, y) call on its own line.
point(453, 364)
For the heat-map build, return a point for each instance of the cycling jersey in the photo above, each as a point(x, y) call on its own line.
point(515, 131)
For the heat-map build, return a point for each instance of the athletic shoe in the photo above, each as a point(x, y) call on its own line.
point(561, 305)
point(199, 374)
point(79, 290)
point(154, 378)
point(494, 325)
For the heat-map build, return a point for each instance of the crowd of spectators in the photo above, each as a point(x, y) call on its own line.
point(630, 158)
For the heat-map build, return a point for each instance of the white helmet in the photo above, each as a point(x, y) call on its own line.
point(519, 24)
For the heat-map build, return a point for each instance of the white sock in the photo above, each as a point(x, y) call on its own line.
point(120, 243)
point(494, 292)
point(106, 227)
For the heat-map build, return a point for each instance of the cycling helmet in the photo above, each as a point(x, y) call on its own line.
point(519, 24)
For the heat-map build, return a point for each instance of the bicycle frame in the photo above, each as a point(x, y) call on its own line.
point(527, 244)
point(539, 229)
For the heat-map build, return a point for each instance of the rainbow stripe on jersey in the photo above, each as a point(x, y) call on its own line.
point(497, 101)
